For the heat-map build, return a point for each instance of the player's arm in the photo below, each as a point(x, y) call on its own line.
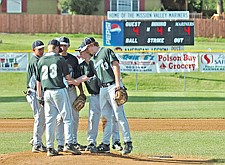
point(78, 80)
point(40, 98)
point(39, 91)
point(85, 77)
point(81, 88)
point(38, 83)
point(111, 56)
point(116, 70)
point(71, 80)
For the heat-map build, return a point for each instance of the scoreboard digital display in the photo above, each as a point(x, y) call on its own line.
point(148, 33)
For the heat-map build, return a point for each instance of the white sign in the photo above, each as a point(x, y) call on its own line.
point(212, 62)
point(146, 15)
point(177, 62)
point(136, 62)
point(13, 62)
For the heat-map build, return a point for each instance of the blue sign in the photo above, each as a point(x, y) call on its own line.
point(113, 33)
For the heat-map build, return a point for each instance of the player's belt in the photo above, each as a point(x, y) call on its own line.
point(107, 84)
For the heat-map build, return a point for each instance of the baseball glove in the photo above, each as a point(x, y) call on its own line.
point(121, 96)
point(79, 103)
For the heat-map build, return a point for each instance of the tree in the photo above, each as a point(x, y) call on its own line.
point(191, 5)
point(195, 5)
point(219, 6)
point(173, 5)
point(64, 6)
point(85, 7)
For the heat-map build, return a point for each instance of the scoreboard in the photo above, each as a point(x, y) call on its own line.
point(148, 33)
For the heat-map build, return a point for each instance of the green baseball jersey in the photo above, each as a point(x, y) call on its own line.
point(101, 62)
point(93, 84)
point(32, 72)
point(51, 69)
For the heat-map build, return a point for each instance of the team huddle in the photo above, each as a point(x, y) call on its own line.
point(53, 81)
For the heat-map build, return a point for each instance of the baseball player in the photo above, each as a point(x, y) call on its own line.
point(51, 70)
point(94, 108)
point(38, 111)
point(105, 65)
point(74, 70)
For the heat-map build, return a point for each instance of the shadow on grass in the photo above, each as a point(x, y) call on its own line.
point(133, 99)
point(199, 79)
point(156, 160)
point(162, 99)
point(217, 160)
point(13, 99)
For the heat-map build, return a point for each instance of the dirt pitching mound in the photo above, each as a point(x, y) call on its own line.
point(87, 158)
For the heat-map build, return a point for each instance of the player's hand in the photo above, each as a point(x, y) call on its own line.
point(41, 101)
point(73, 82)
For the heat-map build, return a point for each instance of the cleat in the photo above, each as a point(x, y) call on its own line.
point(80, 147)
point(71, 148)
point(128, 148)
point(52, 152)
point(37, 149)
point(117, 146)
point(90, 146)
point(60, 148)
point(102, 148)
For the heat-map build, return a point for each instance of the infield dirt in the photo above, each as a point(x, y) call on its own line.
point(26, 125)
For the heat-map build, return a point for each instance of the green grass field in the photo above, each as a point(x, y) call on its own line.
point(24, 41)
point(157, 96)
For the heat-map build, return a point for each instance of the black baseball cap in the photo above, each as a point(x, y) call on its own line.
point(38, 44)
point(64, 40)
point(80, 47)
point(54, 42)
point(86, 42)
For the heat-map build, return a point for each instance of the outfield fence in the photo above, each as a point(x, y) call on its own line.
point(140, 61)
point(87, 24)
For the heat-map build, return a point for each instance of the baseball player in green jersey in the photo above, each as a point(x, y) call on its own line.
point(94, 108)
point(31, 96)
point(74, 70)
point(105, 65)
point(51, 70)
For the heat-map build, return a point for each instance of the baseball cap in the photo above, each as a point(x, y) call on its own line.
point(64, 40)
point(38, 44)
point(86, 42)
point(80, 47)
point(54, 42)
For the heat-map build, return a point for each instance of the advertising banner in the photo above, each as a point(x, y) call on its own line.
point(113, 33)
point(212, 62)
point(147, 48)
point(13, 62)
point(137, 62)
point(177, 62)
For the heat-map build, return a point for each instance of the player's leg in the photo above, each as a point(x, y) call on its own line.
point(72, 96)
point(60, 133)
point(106, 118)
point(75, 114)
point(65, 109)
point(39, 123)
point(93, 121)
point(122, 120)
point(116, 144)
point(51, 113)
